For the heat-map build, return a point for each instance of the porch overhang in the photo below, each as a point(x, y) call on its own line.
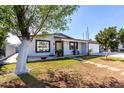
point(73, 40)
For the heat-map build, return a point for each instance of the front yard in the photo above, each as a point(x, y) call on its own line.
point(65, 73)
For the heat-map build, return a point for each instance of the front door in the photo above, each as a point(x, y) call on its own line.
point(59, 48)
point(73, 47)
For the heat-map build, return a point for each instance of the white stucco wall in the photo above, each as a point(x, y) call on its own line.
point(32, 50)
point(94, 47)
point(67, 51)
point(80, 47)
point(84, 48)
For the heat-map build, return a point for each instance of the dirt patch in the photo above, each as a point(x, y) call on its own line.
point(69, 79)
point(66, 78)
point(52, 79)
point(5, 72)
point(111, 63)
point(63, 78)
point(13, 84)
point(93, 76)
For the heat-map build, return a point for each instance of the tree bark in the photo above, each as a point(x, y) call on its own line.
point(21, 66)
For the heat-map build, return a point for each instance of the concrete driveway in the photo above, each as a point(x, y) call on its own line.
point(12, 59)
point(112, 54)
point(120, 55)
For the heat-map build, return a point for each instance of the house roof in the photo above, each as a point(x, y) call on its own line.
point(68, 38)
point(93, 42)
point(61, 35)
point(64, 37)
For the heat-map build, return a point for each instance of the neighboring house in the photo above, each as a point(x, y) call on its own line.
point(121, 47)
point(59, 44)
point(10, 49)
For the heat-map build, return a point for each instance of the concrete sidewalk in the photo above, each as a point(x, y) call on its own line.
point(112, 54)
point(12, 59)
point(119, 55)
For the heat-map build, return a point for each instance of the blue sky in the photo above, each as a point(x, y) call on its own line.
point(95, 18)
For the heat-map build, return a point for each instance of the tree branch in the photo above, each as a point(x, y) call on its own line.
point(30, 19)
point(42, 23)
point(25, 9)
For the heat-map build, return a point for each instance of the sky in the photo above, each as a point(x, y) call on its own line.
point(94, 17)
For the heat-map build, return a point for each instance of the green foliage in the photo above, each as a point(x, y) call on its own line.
point(44, 34)
point(59, 52)
point(121, 35)
point(4, 23)
point(3, 36)
point(21, 19)
point(90, 51)
point(108, 38)
point(114, 45)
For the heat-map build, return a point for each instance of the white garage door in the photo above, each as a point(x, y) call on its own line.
point(94, 47)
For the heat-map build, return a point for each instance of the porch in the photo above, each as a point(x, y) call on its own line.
point(42, 58)
point(70, 47)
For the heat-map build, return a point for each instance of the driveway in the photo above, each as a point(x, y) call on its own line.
point(120, 55)
point(11, 59)
point(112, 54)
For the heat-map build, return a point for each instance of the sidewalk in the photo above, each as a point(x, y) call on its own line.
point(112, 54)
point(119, 55)
point(11, 59)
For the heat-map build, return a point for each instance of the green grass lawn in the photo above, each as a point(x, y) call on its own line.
point(52, 64)
point(38, 68)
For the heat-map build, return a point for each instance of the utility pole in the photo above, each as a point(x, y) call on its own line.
point(83, 35)
point(87, 34)
point(87, 40)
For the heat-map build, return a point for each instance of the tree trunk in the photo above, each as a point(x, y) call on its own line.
point(22, 58)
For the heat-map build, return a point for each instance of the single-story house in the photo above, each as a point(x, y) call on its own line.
point(59, 44)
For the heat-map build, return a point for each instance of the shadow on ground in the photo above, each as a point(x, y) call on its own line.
point(67, 58)
point(32, 82)
point(86, 58)
point(49, 60)
point(3, 70)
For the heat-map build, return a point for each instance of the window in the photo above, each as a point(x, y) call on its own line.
point(73, 45)
point(123, 46)
point(42, 46)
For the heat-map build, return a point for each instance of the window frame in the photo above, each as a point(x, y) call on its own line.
point(75, 45)
point(122, 45)
point(37, 47)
